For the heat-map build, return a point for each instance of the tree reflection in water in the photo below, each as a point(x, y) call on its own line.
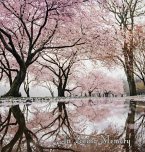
point(28, 128)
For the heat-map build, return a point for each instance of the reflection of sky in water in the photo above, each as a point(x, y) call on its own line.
point(116, 120)
point(116, 117)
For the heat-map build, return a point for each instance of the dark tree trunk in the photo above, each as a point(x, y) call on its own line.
point(27, 91)
point(15, 87)
point(131, 83)
point(129, 68)
point(106, 94)
point(99, 94)
point(10, 79)
point(61, 92)
point(90, 93)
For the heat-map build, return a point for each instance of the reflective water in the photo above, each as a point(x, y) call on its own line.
point(41, 125)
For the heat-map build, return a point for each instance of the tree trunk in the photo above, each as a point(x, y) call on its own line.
point(129, 68)
point(90, 93)
point(60, 92)
point(27, 91)
point(106, 94)
point(15, 87)
point(131, 83)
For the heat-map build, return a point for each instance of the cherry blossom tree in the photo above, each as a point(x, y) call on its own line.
point(61, 65)
point(127, 15)
point(113, 86)
point(139, 56)
point(27, 28)
point(90, 82)
point(99, 83)
point(31, 33)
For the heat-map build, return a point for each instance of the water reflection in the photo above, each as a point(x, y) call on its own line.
point(44, 126)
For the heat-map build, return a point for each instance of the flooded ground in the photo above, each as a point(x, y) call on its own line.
point(62, 122)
